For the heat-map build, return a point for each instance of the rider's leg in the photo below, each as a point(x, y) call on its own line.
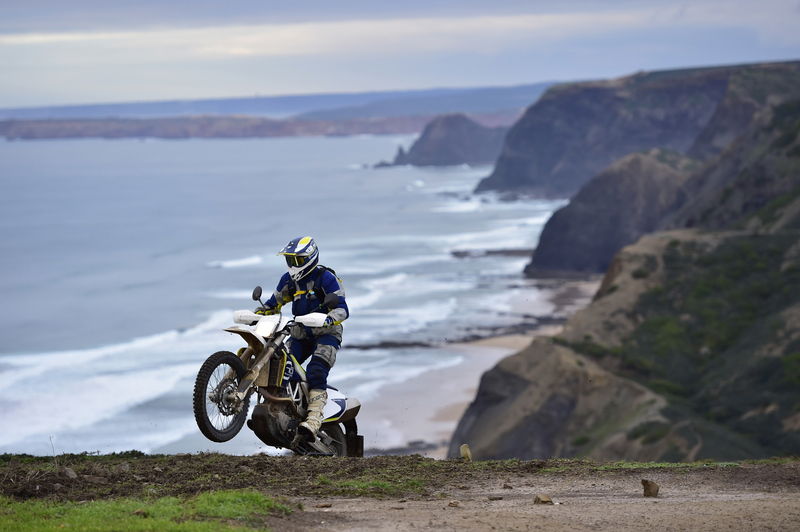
point(317, 377)
point(301, 349)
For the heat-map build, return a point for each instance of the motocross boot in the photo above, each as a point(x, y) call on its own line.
point(316, 403)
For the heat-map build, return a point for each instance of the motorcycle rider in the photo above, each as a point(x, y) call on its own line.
point(306, 285)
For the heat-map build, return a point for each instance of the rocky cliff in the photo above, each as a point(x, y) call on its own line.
point(691, 348)
point(450, 140)
point(575, 131)
point(756, 175)
point(635, 196)
point(625, 201)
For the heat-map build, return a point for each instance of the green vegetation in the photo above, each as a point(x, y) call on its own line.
point(676, 160)
point(769, 213)
point(708, 303)
point(791, 368)
point(580, 441)
point(627, 466)
point(786, 119)
point(221, 510)
point(650, 432)
point(377, 484)
point(588, 347)
point(761, 84)
point(26, 503)
point(699, 337)
point(372, 484)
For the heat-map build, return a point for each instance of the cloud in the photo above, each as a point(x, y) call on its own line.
point(341, 37)
point(479, 34)
point(412, 51)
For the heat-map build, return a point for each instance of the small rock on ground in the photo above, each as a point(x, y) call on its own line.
point(650, 488)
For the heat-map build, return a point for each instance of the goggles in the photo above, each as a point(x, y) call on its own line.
point(296, 261)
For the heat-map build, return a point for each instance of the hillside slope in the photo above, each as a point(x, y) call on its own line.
point(690, 350)
point(759, 173)
point(706, 320)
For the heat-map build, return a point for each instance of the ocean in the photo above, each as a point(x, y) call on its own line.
point(121, 261)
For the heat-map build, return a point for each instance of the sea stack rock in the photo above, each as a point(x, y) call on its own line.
point(453, 139)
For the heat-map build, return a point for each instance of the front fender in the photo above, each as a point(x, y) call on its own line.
point(255, 342)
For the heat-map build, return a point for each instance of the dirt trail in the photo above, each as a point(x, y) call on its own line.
point(608, 501)
point(413, 493)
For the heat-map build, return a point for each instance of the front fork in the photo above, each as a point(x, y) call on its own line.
point(264, 370)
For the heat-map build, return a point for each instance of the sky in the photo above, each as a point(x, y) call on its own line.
point(56, 52)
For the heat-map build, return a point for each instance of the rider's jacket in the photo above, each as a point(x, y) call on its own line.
point(307, 294)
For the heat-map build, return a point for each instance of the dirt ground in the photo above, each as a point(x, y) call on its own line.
point(599, 502)
point(416, 493)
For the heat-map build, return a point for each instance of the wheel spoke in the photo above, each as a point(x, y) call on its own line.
point(218, 411)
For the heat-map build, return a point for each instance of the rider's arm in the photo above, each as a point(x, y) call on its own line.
point(281, 295)
point(330, 284)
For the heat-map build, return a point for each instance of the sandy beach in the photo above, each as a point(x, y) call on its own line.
point(427, 408)
point(419, 415)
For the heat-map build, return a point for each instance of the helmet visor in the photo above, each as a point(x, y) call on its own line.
point(296, 261)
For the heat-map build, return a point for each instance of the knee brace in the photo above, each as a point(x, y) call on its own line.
point(327, 353)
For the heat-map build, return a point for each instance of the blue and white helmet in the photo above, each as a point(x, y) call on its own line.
point(302, 256)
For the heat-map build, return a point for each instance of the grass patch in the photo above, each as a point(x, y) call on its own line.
point(557, 469)
point(633, 466)
point(381, 487)
point(776, 460)
point(221, 510)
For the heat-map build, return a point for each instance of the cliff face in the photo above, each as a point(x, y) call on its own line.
point(756, 175)
point(453, 139)
point(689, 351)
point(575, 131)
point(644, 192)
point(549, 401)
point(749, 92)
point(625, 201)
point(694, 332)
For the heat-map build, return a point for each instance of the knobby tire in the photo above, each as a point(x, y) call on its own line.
point(200, 399)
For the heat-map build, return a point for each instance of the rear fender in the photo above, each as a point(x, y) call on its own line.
point(352, 407)
point(339, 407)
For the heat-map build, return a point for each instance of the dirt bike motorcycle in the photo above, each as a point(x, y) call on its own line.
point(265, 369)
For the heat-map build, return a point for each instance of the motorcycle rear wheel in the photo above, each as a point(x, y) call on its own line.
point(218, 418)
point(334, 430)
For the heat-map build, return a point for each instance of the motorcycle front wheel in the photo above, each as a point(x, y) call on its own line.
point(218, 414)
